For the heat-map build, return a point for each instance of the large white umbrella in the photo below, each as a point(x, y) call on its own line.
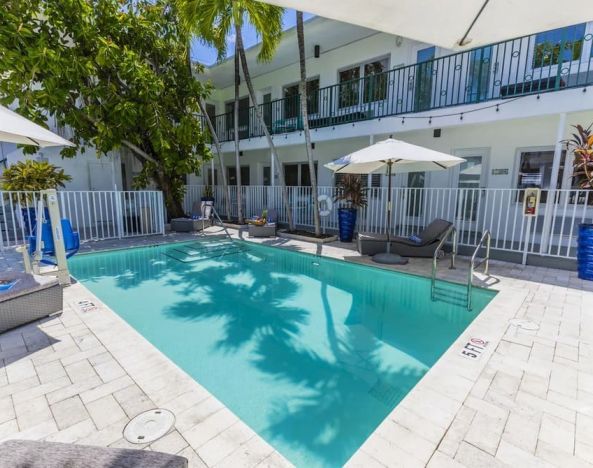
point(453, 24)
point(15, 128)
point(398, 156)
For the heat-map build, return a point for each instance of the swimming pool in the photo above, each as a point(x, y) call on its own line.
point(312, 353)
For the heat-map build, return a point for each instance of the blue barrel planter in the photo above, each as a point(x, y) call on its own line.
point(585, 252)
point(347, 222)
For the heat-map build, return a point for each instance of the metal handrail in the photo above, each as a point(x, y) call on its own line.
point(452, 231)
point(472, 265)
point(224, 228)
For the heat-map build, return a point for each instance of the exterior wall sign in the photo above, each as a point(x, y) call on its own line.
point(531, 201)
point(504, 171)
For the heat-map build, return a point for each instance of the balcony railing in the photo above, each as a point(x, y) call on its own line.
point(540, 63)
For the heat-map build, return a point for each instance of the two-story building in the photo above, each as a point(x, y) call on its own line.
point(505, 108)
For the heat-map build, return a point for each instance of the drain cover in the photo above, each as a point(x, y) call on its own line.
point(149, 426)
point(525, 324)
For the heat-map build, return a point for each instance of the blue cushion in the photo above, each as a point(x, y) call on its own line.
point(415, 239)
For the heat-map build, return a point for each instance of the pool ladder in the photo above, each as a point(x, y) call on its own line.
point(486, 236)
point(452, 232)
point(224, 228)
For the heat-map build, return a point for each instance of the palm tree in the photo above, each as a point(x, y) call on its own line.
point(305, 116)
point(216, 142)
point(213, 21)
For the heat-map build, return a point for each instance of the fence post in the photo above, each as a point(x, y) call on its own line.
point(119, 214)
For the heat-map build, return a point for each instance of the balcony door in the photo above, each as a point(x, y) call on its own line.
point(424, 78)
point(470, 180)
point(243, 118)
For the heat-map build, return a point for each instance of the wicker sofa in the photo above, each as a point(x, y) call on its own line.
point(30, 298)
point(34, 454)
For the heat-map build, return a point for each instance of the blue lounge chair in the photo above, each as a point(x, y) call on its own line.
point(71, 242)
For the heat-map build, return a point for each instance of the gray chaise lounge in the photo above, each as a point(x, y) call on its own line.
point(34, 454)
point(30, 298)
point(371, 244)
point(191, 224)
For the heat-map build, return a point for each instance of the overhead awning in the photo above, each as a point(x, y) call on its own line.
point(453, 24)
point(15, 128)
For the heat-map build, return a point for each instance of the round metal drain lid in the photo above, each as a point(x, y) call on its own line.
point(149, 426)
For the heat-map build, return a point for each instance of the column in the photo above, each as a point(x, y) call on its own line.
point(551, 198)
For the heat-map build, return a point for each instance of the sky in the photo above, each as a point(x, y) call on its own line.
point(207, 55)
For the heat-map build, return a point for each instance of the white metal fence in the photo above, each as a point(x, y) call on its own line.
point(96, 215)
point(552, 233)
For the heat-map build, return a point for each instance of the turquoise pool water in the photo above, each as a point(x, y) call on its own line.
point(312, 353)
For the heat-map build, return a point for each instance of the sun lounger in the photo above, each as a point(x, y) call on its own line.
point(424, 246)
point(195, 223)
point(25, 298)
point(265, 230)
point(35, 454)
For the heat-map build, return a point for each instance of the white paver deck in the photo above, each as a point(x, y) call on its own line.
point(80, 376)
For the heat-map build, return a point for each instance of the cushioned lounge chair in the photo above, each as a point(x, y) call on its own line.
point(194, 223)
point(25, 298)
point(268, 229)
point(371, 244)
point(35, 454)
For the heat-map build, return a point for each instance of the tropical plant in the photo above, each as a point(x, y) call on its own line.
point(351, 190)
point(305, 117)
point(581, 145)
point(208, 193)
point(214, 21)
point(33, 176)
point(113, 71)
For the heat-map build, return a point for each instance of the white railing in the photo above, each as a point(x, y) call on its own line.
point(552, 233)
point(96, 215)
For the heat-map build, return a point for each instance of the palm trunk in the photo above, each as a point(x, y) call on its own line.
point(305, 117)
point(216, 141)
point(260, 118)
point(236, 125)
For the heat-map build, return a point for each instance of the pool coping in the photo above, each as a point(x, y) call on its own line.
point(412, 433)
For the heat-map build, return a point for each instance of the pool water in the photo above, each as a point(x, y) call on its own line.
point(312, 353)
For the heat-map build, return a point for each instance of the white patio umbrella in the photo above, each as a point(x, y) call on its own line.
point(398, 156)
point(453, 24)
point(15, 128)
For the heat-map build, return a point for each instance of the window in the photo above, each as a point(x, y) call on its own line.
point(535, 170)
point(375, 179)
point(212, 180)
point(298, 175)
point(267, 175)
point(375, 81)
point(558, 46)
point(349, 87)
point(292, 103)
point(232, 175)
point(374, 84)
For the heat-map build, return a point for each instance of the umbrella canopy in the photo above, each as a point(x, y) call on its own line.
point(453, 24)
point(14, 128)
point(401, 156)
point(398, 156)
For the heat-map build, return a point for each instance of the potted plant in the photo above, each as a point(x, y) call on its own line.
point(581, 145)
point(207, 201)
point(30, 176)
point(352, 193)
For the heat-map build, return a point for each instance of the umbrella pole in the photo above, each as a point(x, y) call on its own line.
point(387, 257)
point(389, 164)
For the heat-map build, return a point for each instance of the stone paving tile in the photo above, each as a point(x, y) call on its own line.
point(105, 411)
point(69, 412)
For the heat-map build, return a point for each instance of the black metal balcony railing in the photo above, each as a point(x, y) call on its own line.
point(539, 63)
